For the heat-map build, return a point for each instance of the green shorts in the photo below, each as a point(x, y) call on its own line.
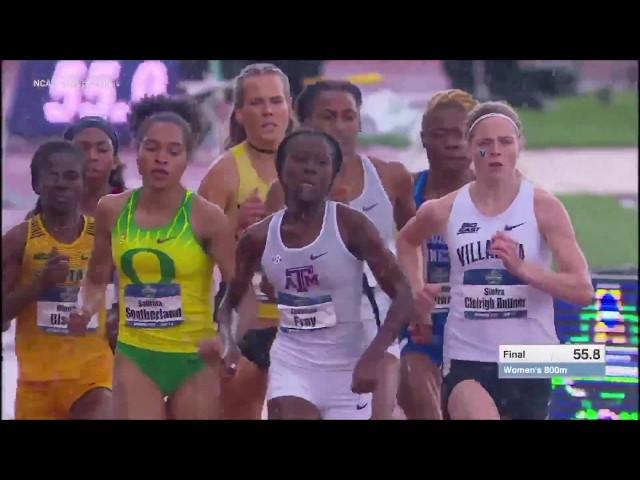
point(168, 370)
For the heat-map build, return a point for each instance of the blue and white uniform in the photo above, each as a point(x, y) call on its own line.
point(436, 270)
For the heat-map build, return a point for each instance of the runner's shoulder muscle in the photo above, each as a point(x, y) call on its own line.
point(221, 182)
point(109, 208)
point(14, 243)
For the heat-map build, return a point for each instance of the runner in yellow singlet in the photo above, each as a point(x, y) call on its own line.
point(238, 182)
point(164, 241)
point(60, 376)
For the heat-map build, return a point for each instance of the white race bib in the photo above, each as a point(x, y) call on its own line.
point(153, 305)
point(437, 269)
point(306, 313)
point(493, 294)
point(54, 307)
point(443, 299)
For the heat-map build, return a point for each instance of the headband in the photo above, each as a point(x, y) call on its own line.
point(489, 115)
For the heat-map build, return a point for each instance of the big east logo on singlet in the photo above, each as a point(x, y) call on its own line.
point(301, 278)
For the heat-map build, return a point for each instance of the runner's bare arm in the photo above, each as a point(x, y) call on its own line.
point(15, 296)
point(572, 281)
point(364, 241)
point(214, 228)
point(217, 182)
point(100, 270)
point(273, 203)
point(429, 220)
point(247, 260)
point(399, 179)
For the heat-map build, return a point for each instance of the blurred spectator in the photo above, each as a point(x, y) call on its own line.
point(504, 79)
point(193, 69)
point(460, 73)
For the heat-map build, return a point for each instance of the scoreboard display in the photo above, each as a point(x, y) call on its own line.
point(613, 321)
point(51, 94)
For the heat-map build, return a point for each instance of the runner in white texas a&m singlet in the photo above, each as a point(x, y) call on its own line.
point(313, 255)
point(379, 189)
point(318, 290)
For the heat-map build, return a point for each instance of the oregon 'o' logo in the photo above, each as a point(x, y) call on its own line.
point(167, 267)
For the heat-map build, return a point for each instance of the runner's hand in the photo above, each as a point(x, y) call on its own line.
point(506, 249)
point(365, 375)
point(424, 300)
point(251, 211)
point(56, 270)
point(78, 322)
point(213, 351)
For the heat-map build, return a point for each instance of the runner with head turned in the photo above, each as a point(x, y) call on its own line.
point(443, 137)
point(238, 182)
point(164, 241)
point(502, 232)
point(44, 259)
point(313, 253)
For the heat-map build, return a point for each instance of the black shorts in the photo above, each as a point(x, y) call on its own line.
point(255, 345)
point(517, 399)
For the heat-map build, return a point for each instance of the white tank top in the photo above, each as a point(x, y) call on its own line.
point(318, 288)
point(375, 204)
point(489, 306)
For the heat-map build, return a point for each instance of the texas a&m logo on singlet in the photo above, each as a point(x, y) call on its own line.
point(301, 278)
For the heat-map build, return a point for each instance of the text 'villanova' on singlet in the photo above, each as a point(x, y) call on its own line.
point(490, 306)
point(319, 288)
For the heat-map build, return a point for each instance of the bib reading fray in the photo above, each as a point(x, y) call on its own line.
point(153, 305)
point(493, 294)
point(306, 313)
point(54, 307)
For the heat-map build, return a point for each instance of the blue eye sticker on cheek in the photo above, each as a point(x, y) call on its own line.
point(483, 153)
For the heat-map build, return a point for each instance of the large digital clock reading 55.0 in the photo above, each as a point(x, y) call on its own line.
point(51, 94)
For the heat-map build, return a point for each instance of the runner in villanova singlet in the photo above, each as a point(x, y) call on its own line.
point(504, 232)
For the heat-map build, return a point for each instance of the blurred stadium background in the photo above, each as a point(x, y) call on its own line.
point(581, 126)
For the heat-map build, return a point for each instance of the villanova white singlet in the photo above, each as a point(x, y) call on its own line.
point(489, 306)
